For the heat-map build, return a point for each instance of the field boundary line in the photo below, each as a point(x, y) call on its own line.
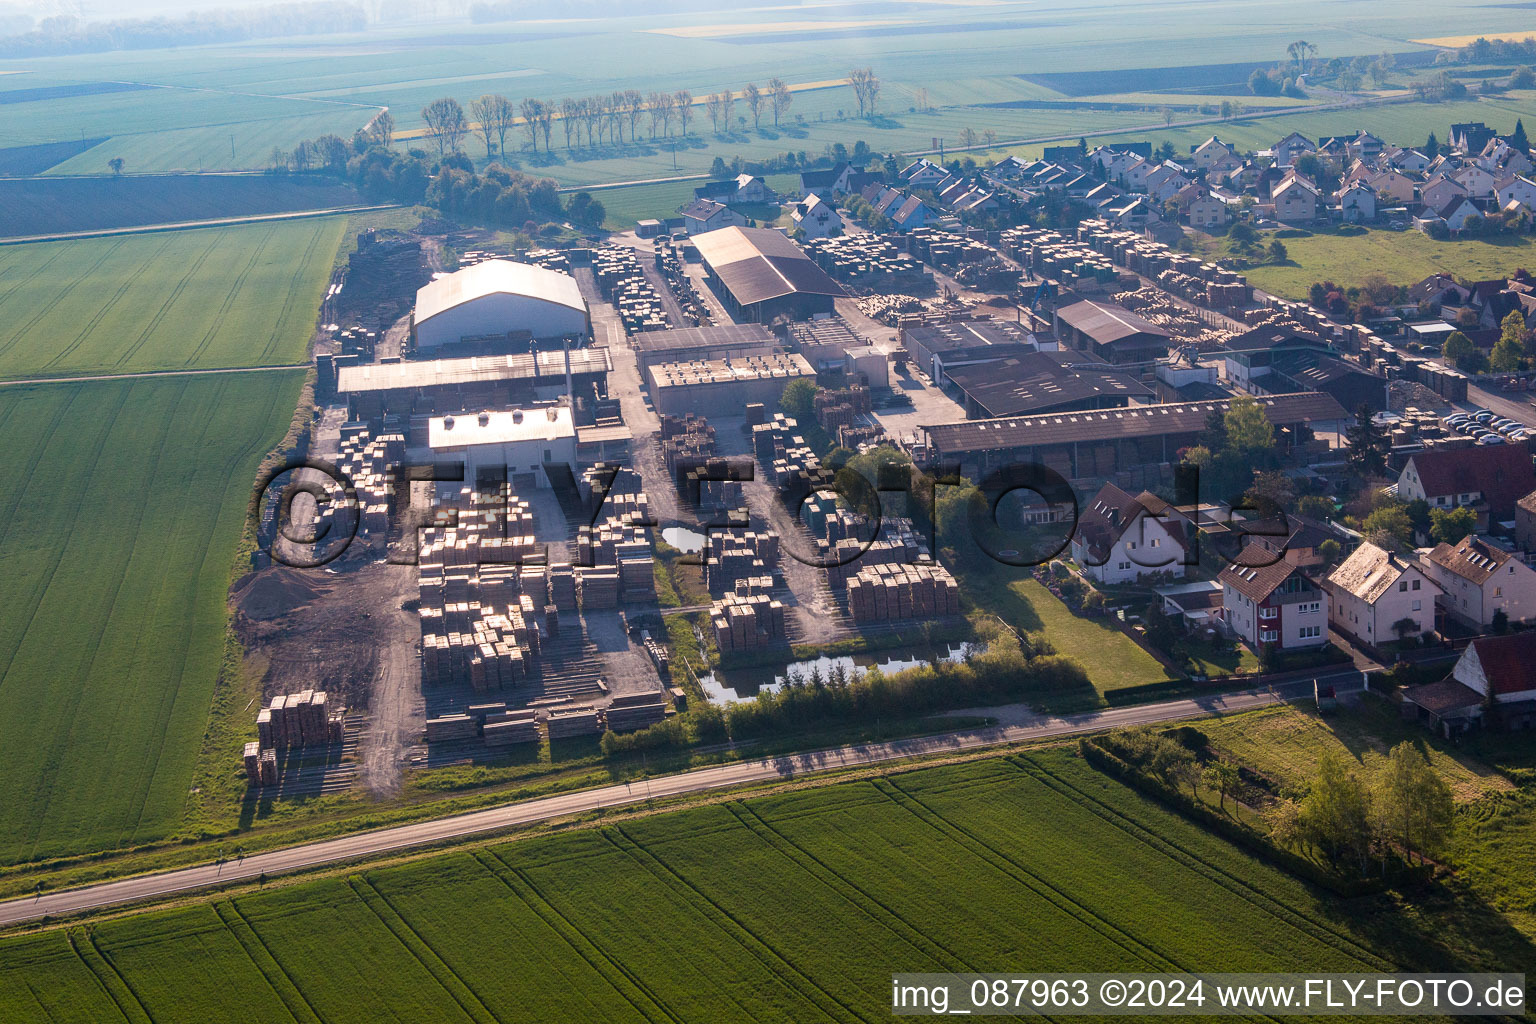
point(194, 225)
point(106, 989)
point(285, 993)
point(1261, 900)
point(394, 923)
point(986, 852)
point(150, 374)
point(578, 942)
point(234, 906)
point(117, 976)
point(836, 881)
point(754, 945)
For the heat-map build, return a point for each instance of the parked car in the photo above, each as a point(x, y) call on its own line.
point(1489, 439)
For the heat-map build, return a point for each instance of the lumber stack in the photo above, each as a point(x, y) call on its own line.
point(576, 720)
point(635, 711)
point(746, 622)
point(885, 593)
point(616, 558)
point(737, 554)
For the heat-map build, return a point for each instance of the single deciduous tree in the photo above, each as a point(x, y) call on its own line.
point(446, 124)
point(779, 98)
point(683, 99)
point(753, 96)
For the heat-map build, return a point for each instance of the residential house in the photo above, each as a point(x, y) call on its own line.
point(1487, 479)
point(816, 217)
point(1479, 580)
point(1365, 146)
point(1120, 540)
point(841, 180)
point(1164, 183)
point(1478, 182)
point(923, 173)
point(1289, 148)
point(1202, 209)
point(1135, 176)
point(1211, 151)
point(1517, 189)
point(1271, 603)
point(703, 215)
point(1408, 160)
point(1396, 184)
point(1492, 680)
point(1469, 137)
point(911, 214)
point(1296, 202)
point(1377, 597)
point(1357, 203)
point(1134, 215)
point(1439, 190)
point(1525, 523)
point(1456, 212)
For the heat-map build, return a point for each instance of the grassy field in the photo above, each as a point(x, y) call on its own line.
point(36, 206)
point(1287, 743)
point(1112, 660)
point(1403, 256)
point(120, 507)
point(724, 913)
point(212, 297)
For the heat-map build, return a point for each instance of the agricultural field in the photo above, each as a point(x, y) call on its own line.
point(53, 205)
point(227, 106)
point(121, 503)
point(1403, 256)
point(244, 295)
point(723, 913)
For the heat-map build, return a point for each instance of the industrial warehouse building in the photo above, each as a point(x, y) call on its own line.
point(373, 390)
point(1113, 333)
point(498, 302)
point(721, 341)
point(1029, 383)
point(1086, 445)
point(718, 388)
point(760, 274)
point(521, 446)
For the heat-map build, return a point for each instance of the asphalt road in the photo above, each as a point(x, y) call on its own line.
point(1017, 726)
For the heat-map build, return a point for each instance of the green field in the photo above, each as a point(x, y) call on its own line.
point(226, 106)
point(1404, 257)
point(120, 507)
point(55, 205)
point(199, 299)
point(796, 907)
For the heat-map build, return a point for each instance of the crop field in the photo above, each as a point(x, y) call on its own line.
point(48, 205)
point(1403, 256)
point(235, 296)
point(120, 506)
point(729, 912)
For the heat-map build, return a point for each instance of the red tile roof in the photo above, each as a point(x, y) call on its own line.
point(1507, 661)
point(1501, 472)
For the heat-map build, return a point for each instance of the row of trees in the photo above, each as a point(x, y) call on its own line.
point(605, 117)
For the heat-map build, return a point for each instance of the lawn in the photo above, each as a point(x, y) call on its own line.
point(120, 507)
point(1112, 660)
point(212, 297)
point(723, 913)
point(1404, 257)
point(1287, 742)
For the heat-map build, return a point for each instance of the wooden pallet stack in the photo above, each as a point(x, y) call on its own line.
point(616, 557)
point(887, 593)
point(746, 622)
point(562, 586)
point(738, 554)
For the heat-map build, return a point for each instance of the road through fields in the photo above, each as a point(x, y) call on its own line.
point(1019, 726)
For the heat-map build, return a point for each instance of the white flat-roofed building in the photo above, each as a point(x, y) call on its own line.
point(516, 443)
point(499, 300)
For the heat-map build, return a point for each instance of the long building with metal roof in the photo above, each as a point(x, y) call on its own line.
point(446, 385)
point(760, 274)
point(1082, 445)
point(1111, 332)
point(498, 300)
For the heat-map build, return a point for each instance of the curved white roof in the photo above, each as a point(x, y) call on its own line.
point(497, 277)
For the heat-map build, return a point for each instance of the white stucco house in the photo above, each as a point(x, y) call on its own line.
point(1270, 602)
point(1478, 580)
point(1121, 539)
point(1374, 590)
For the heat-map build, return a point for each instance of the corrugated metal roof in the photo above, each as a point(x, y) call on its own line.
point(468, 370)
point(1137, 421)
point(497, 277)
point(1105, 323)
point(759, 263)
point(701, 337)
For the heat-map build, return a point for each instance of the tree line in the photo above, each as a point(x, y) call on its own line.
point(600, 119)
point(65, 34)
